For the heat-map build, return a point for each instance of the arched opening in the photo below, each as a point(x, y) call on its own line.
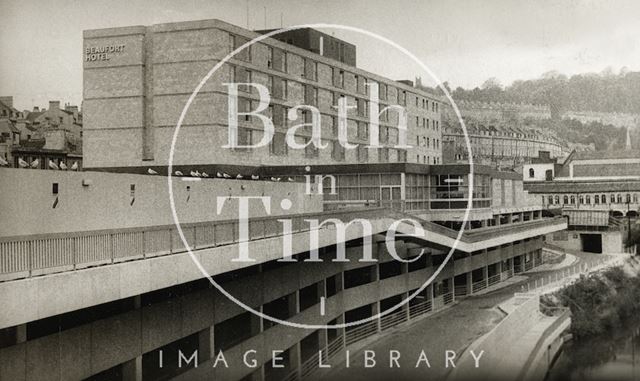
point(632, 213)
point(616, 213)
point(532, 173)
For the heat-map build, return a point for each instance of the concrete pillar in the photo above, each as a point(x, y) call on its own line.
point(132, 370)
point(485, 274)
point(469, 283)
point(375, 309)
point(452, 288)
point(206, 344)
point(295, 361)
point(257, 324)
point(496, 220)
point(293, 302)
point(323, 339)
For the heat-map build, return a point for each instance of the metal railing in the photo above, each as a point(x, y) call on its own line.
point(353, 334)
point(420, 308)
point(461, 290)
point(32, 255)
point(493, 280)
point(393, 319)
point(479, 285)
point(566, 275)
point(506, 274)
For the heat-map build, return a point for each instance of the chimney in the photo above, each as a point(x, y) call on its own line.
point(7, 100)
point(54, 105)
point(36, 109)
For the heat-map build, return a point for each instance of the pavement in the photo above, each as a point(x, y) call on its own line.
point(453, 329)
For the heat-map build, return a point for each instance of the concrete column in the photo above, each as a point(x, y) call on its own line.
point(257, 325)
point(485, 274)
point(406, 306)
point(323, 339)
point(376, 310)
point(468, 283)
point(496, 220)
point(294, 357)
point(293, 303)
point(340, 281)
point(132, 369)
point(206, 344)
point(452, 288)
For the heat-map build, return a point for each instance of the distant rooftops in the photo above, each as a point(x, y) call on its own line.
point(603, 155)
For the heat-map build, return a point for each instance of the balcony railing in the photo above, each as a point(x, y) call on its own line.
point(32, 255)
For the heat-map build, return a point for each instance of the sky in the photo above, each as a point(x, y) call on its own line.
point(462, 42)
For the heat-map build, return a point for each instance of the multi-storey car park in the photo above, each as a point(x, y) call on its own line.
point(98, 283)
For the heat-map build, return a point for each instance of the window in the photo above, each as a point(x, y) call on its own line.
point(573, 200)
point(603, 199)
point(310, 70)
point(279, 60)
point(363, 130)
point(532, 173)
point(237, 42)
point(557, 200)
point(565, 199)
point(588, 199)
point(596, 199)
point(269, 57)
point(382, 92)
point(550, 198)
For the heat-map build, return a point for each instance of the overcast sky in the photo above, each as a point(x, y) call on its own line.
point(463, 42)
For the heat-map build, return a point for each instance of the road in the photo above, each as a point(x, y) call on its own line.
point(453, 329)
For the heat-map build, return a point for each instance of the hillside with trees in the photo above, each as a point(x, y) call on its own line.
point(606, 91)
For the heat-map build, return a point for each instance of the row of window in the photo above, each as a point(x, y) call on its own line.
point(427, 160)
point(246, 105)
point(586, 199)
point(435, 124)
point(427, 142)
point(276, 59)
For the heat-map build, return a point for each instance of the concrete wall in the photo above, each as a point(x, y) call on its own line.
point(612, 241)
point(106, 203)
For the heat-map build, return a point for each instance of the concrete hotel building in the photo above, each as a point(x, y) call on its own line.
point(100, 288)
point(150, 77)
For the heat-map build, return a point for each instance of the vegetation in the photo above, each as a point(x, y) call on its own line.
point(599, 302)
point(606, 91)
